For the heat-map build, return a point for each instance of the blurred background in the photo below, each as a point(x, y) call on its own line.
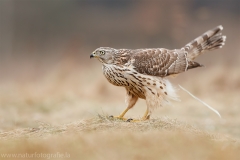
point(46, 74)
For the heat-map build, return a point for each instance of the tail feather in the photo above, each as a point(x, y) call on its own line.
point(210, 40)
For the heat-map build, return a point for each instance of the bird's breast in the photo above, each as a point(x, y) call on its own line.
point(115, 75)
point(126, 77)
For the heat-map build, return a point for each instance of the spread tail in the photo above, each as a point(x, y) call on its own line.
point(210, 40)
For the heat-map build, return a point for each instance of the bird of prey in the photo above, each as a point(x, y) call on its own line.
point(144, 72)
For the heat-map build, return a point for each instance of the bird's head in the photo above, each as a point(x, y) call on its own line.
point(104, 54)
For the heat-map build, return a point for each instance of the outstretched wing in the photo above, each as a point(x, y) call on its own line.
point(159, 61)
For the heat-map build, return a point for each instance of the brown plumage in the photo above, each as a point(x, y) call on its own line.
point(143, 71)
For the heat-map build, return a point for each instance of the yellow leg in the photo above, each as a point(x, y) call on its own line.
point(121, 116)
point(131, 101)
point(145, 117)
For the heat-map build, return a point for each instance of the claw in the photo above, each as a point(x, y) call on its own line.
point(139, 120)
point(148, 117)
point(111, 116)
point(117, 117)
point(129, 120)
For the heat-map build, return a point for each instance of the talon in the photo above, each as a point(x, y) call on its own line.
point(129, 120)
point(148, 117)
point(117, 117)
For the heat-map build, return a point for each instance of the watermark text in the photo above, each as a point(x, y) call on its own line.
point(56, 155)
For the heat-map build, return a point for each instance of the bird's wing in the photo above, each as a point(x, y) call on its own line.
point(159, 62)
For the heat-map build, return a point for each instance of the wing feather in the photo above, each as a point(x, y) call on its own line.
point(159, 61)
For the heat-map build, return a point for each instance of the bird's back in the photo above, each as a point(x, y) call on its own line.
point(163, 62)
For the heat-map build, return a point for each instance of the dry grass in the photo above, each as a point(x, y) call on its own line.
point(105, 138)
point(104, 123)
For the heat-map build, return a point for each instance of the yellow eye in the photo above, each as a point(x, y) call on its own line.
point(102, 52)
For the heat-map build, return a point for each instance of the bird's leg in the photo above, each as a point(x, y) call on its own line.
point(146, 116)
point(121, 116)
point(131, 101)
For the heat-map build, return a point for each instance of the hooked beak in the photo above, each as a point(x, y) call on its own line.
point(92, 55)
